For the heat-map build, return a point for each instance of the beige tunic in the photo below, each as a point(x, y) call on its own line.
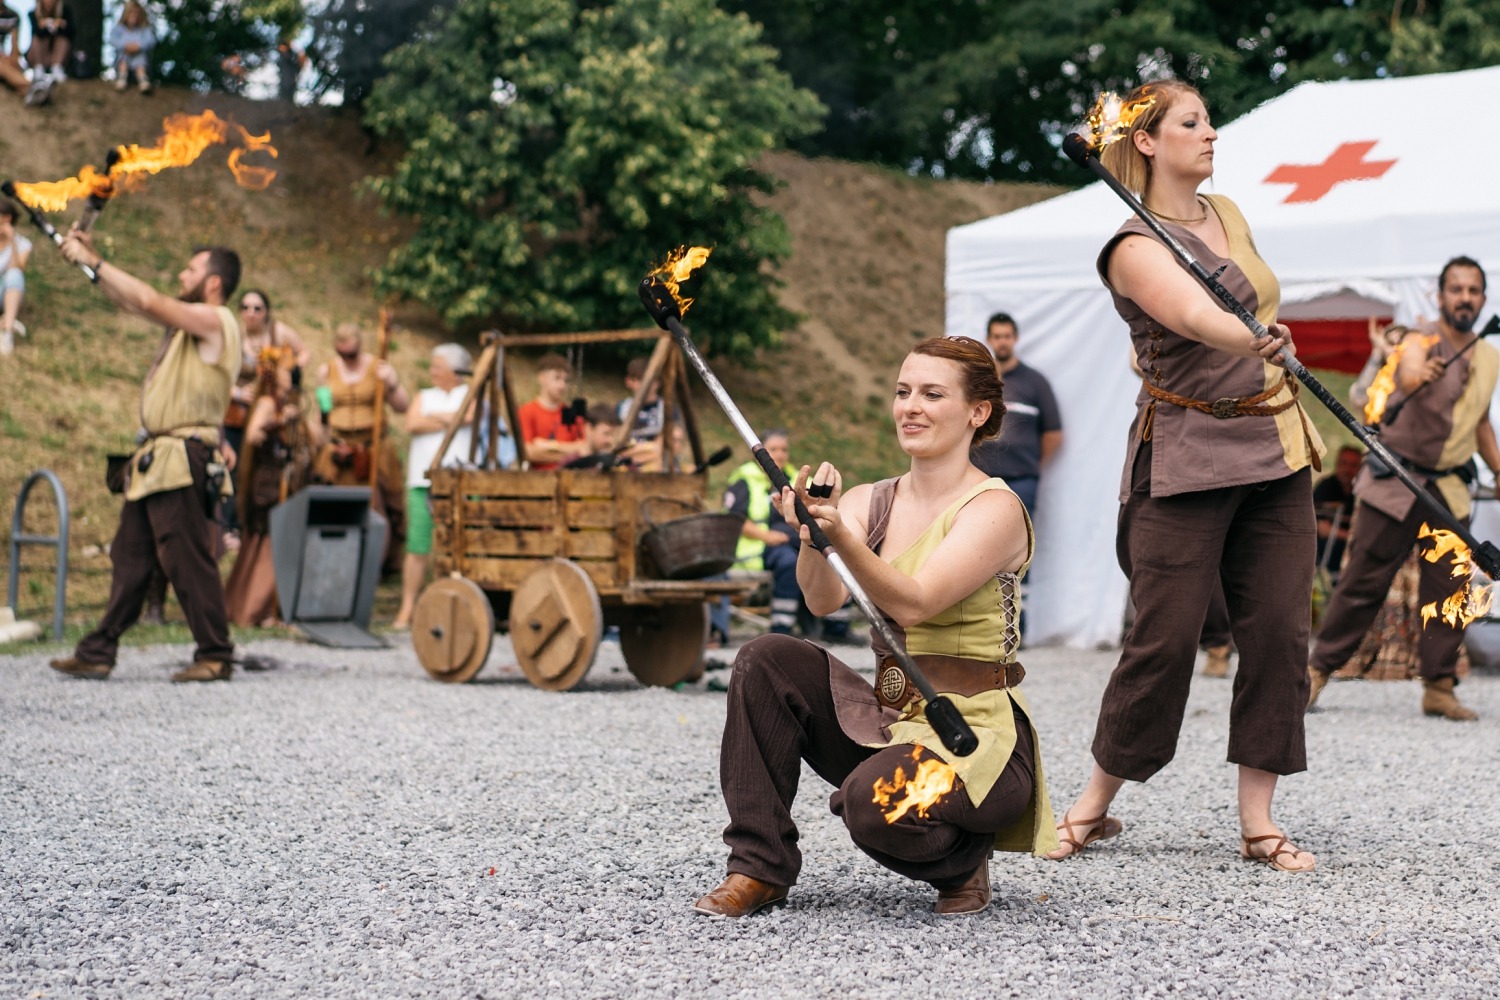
point(184, 397)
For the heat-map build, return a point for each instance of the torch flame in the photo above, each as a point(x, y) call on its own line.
point(1385, 379)
point(184, 138)
point(679, 267)
point(933, 779)
point(1469, 601)
point(1109, 120)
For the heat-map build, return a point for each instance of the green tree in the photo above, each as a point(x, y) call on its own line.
point(969, 88)
point(555, 150)
point(215, 44)
point(351, 39)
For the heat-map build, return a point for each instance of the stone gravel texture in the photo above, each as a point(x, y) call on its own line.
point(343, 826)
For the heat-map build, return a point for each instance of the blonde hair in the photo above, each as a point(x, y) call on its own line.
point(1130, 166)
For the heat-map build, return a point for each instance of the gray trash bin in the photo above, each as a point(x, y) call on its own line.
point(326, 546)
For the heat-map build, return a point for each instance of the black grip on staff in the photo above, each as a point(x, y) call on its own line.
point(942, 714)
point(49, 230)
point(1486, 555)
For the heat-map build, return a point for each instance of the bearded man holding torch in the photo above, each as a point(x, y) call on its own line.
point(173, 481)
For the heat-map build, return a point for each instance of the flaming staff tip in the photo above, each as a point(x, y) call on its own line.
point(1109, 120)
point(932, 779)
point(184, 138)
point(677, 268)
point(1470, 601)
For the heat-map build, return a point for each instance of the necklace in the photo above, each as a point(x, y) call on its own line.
point(1180, 222)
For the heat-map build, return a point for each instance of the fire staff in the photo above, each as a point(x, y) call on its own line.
point(1216, 487)
point(940, 551)
point(171, 490)
point(1437, 418)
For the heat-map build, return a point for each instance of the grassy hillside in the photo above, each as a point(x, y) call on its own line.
point(867, 273)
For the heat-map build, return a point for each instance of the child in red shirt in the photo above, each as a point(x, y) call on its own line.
point(549, 440)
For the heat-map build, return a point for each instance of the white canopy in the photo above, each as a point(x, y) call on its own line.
point(1427, 192)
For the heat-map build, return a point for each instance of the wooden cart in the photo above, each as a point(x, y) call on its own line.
point(556, 556)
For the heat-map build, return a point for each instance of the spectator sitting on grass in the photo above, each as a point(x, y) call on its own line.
point(132, 39)
point(15, 251)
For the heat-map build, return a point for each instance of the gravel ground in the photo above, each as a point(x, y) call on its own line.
point(341, 826)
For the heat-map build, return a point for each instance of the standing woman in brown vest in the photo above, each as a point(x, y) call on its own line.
point(1216, 487)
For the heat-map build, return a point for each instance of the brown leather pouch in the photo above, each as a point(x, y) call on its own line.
point(116, 472)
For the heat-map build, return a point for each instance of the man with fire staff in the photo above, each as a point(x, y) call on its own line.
point(1216, 487)
point(174, 480)
point(941, 551)
point(1435, 420)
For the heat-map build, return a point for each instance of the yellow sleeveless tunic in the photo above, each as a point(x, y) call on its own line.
point(985, 626)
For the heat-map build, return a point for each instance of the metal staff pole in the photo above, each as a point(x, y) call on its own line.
point(49, 230)
point(1486, 554)
point(945, 718)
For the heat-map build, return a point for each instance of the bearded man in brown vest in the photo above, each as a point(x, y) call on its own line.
point(169, 493)
point(1435, 421)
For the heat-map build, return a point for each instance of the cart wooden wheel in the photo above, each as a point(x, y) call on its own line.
point(664, 645)
point(556, 624)
point(452, 627)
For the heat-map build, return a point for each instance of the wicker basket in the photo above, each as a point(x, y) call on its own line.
point(690, 546)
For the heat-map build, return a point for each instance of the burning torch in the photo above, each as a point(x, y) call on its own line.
point(1086, 154)
point(184, 138)
point(658, 292)
point(48, 229)
point(101, 190)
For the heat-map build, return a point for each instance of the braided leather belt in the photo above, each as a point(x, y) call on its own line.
point(1231, 406)
point(950, 674)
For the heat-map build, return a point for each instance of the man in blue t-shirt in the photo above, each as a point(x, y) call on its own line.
point(1032, 431)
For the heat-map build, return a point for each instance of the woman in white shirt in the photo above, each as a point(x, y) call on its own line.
point(427, 419)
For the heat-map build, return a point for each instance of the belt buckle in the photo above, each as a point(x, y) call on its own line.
point(893, 686)
point(1225, 407)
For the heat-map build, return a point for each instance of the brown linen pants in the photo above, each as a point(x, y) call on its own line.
point(170, 530)
point(1378, 547)
point(1257, 540)
point(780, 713)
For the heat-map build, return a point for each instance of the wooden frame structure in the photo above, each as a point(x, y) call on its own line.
point(557, 553)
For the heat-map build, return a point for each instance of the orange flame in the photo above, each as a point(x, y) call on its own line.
point(1469, 601)
point(933, 779)
point(184, 138)
point(1385, 379)
point(679, 267)
point(1110, 118)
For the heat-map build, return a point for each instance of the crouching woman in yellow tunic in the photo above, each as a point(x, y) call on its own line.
point(941, 551)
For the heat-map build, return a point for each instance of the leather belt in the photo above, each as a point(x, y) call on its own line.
point(951, 674)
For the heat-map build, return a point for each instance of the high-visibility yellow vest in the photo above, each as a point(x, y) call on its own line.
point(748, 553)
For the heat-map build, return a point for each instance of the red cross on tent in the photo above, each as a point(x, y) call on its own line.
point(1312, 181)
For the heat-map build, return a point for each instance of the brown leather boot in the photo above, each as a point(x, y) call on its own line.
point(1438, 699)
point(204, 670)
point(1317, 681)
point(74, 667)
point(739, 896)
point(971, 897)
point(1217, 664)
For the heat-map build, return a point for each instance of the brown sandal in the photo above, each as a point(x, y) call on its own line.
point(1283, 846)
point(1100, 828)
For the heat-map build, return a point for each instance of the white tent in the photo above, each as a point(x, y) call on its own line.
point(1341, 249)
